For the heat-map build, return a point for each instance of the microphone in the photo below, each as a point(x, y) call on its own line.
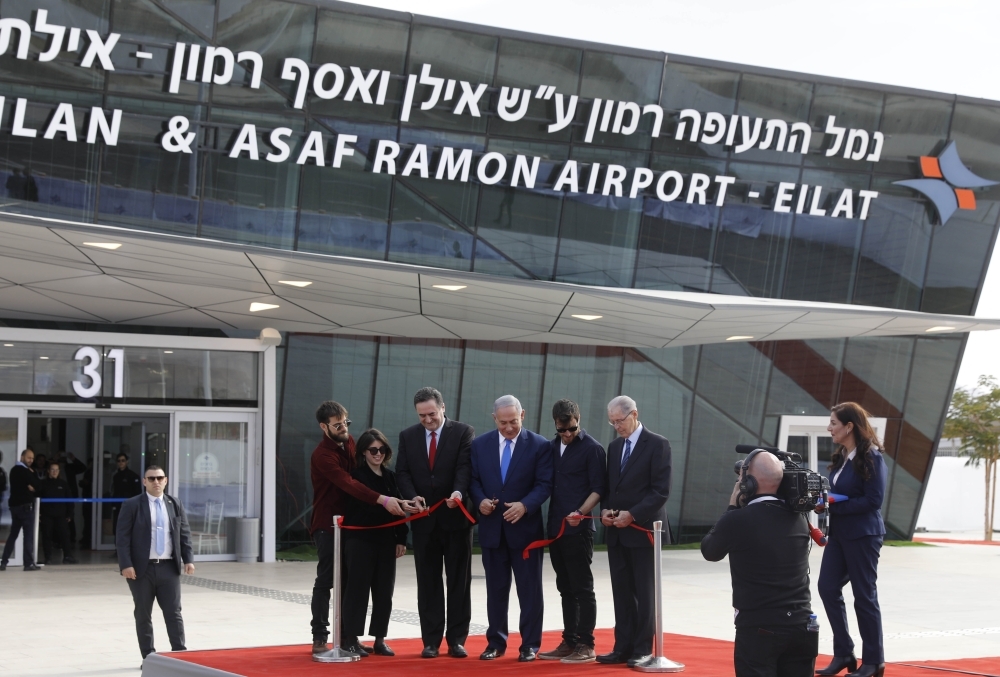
point(817, 536)
point(749, 448)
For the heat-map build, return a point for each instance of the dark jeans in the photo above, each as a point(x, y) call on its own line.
point(571, 559)
point(632, 582)
point(55, 531)
point(775, 651)
point(21, 516)
point(453, 549)
point(372, 566)
point(162, 583)
point(324, 584)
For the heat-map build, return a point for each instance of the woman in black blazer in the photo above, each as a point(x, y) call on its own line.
point(858, 471)
point(370, 555)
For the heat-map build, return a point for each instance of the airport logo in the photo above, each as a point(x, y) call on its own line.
point(947, 183)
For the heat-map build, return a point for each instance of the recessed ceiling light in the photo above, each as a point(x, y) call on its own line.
point(450, 287)
point(42, 357)
point(933, 329)
point(168, 352)
point(257, 307)
point(739, 338)
point(588, 317)
point(295, 283)
point(8, 345)
point(104, 245)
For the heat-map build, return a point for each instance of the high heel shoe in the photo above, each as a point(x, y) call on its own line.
point(839, 663)
point(869, 670)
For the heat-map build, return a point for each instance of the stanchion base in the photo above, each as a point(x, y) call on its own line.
point(660, 664)
point(337, 655)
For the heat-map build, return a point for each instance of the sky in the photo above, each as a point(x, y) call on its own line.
point(927, 44)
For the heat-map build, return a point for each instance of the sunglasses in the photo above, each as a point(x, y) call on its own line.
point(157, 478)
point(339, 426)
point(375, 451)
point(567, 430)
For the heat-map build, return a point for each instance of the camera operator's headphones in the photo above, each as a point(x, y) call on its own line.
point(748, 483)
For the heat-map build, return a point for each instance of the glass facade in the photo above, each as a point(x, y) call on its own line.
point(705, 399)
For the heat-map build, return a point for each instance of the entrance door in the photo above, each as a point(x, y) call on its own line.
point(808, 437)
point(13, 439)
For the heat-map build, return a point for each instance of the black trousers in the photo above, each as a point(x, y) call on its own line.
point(775, 651)
point(21, 517)
point(55, 530)
point(572, 557)
point(632, 589)
point(371, 566)
point(324, 584)
point(160, 582)
point(451, 549)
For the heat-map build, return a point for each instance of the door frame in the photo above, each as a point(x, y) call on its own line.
point(21, 414)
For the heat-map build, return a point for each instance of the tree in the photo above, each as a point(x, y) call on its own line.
point(974, 418)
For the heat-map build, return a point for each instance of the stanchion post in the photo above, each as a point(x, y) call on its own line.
point(336, 654)
point(38, 517)
point(659, 662)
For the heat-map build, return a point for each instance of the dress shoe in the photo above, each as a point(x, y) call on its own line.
point(638, 660)
point(32, 567)
point(490, 654)
point(839, 663)
point(457, 651)
point(526, 656)
point(319, 646)
point(429, 652)
point(560, 652)
point(611, 658)
point(582, 654)
point(367, 649)
point(355, 648)
point(382, 649)
point(3, 567)
point(869, 670)
point(69, 560)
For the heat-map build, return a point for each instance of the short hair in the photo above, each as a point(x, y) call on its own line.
point(365, 441)
point(564, 410)
point(153, 467)
point(27, 451)
point(121, 455)
point(622, 403)
point(507, 401)
point(330, 409)
point(428, 394)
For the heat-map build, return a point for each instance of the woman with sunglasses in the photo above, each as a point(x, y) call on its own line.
point(370, 555)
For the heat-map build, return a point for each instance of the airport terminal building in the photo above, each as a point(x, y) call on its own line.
point(218, 213)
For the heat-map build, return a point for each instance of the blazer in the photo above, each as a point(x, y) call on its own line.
point(642, 487)
point(133, 538)
point(452, 472)
point(529, 480)
point(580, 471)
point(363, 514)
point(862, 514)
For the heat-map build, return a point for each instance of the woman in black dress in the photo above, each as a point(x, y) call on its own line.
point(370, 555)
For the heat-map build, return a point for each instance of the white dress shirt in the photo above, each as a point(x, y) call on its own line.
point(503, 443)
point(634, 437)
point(168, 550)
point(562, 449)
point(836, 476)
point(427, 436)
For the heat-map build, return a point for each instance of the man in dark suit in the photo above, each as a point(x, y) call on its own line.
point(153, 541)
point(433, 464)
point(511, 478)
point(638, 487)
point(579, 481)
point(23, 491)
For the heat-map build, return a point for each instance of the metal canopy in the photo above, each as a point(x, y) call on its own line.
point(48, 273)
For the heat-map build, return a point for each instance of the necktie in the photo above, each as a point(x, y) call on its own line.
point(432, 451)
point(628, 452)
point(161, 544)
point(505, 461)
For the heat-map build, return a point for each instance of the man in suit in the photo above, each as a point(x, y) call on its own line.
point(23, 491)
point(511, 478)
point(638, 487)
point(579, 481)
point(153, 541)
point(432, 464)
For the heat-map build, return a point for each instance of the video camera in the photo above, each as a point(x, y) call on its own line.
point(800, 487)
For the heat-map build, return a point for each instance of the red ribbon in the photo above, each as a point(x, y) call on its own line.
point(412, 517)
point(562, 528)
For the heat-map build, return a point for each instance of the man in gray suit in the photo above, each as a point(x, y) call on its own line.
point(153, 540)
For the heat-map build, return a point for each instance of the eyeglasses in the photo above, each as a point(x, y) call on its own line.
point(614, 424)
point(340, 426)
point(158, 478)
point(375, 451)
point(567, 430)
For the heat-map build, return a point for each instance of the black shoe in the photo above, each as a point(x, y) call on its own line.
point(638, 660)
point(429, 652)
point(490, 654)
point(869, 670)
point(382, 649)
point(3, 567)
point(457, 651)
point(612, 658)
point(839, 663)
point(367, 649)
point(526, 656)
point(355, 648)
point(32, 567)
point(69, 560)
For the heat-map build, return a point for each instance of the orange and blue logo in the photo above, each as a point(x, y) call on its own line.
point(947, 183)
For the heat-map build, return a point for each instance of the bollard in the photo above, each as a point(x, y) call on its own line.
point(659, 662)
point(38, 534)
point(336, 654)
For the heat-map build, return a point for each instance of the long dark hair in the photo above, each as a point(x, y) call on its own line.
point(865, 439)
point(365, 441)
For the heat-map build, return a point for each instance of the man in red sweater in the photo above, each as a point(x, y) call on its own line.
point(330, 467)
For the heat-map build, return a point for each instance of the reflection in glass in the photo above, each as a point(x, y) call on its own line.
point(588, 375)
point(620, 78)
point(423, 235)
point(734, 377)
point(875, 373)
point(703, 89)
point(492, 369)
point(951, 288)
point(750, 253)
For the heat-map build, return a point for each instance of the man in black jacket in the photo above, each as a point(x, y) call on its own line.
point(434, 463)
point(55, 517)
point(579, 481)
point(23, 490)
point(768, 548)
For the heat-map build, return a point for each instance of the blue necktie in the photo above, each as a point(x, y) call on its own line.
point(505, 461)
point(628, 452)
point(160, 530)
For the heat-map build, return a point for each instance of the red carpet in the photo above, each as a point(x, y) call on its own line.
point(702, 658)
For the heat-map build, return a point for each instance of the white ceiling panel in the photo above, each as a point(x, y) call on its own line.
point(182, 318)
point(24, 300)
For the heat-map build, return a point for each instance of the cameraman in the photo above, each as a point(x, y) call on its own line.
point(768, 548)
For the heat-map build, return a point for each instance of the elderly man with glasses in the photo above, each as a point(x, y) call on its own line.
point(638, 486)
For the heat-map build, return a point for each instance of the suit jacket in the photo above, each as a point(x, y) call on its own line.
point(862, 514)
point(580, 471)
point(642, 487)
point(529, 480)
point(134, 535)
point(452, 472)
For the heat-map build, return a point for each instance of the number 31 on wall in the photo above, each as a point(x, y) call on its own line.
point(92, 370)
